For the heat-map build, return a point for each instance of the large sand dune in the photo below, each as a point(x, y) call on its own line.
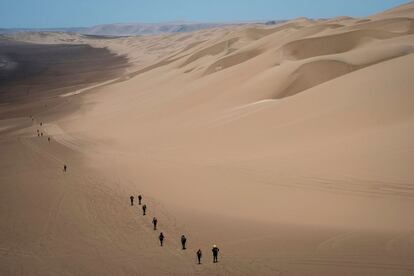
point(288, 146)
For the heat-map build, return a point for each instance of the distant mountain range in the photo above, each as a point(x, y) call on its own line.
point(147, 29)
point(21, 30)
point(124, 29)
point(130, 29)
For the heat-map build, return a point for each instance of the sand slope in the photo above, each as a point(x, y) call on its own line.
point(289, 146)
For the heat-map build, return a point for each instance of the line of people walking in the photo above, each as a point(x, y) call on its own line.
point(215, 250)
point(161, 237)
point(40, 133)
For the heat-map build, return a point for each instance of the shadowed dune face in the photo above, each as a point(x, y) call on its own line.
point(219, 48)
point(397, 25)
point(32, 70)
point(232, 60)
point(313, 73)
point(333, 44)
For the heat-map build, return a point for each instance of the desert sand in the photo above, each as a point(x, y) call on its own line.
point(289, 146)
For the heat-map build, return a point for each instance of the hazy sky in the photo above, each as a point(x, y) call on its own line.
point(74, 13)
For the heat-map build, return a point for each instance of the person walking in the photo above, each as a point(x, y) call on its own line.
point(132, 200)
point(154, 222)
point(199, 254)
point(139, 199)
point(161, 238)
point(65, 167)
point(183, 241)
point(144, 209)
point(215, 251)
point(48, 139)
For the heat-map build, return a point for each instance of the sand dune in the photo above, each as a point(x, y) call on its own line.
point(333, 44)
point(232, 60)
point(289, 146)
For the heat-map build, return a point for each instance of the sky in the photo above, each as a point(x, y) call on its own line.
point(85, 13)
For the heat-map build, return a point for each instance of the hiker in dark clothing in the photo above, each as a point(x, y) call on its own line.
point(48, 139)
point(154, 222)
point(144, 209)
point(132, 200)
point(215, 251)
point(161, 237)
point(199, 254)
point(139, 199)
point(64, 168)
point(183, 241)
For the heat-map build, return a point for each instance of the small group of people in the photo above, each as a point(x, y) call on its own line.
point(215, 250)
point(144, 207)
point(40, 133)
point(161, 237)
point(132, 199)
